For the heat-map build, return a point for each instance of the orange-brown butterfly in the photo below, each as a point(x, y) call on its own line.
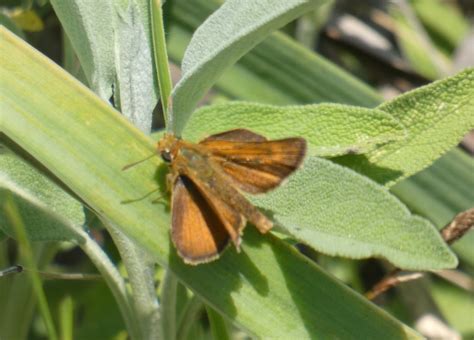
point(206, 180)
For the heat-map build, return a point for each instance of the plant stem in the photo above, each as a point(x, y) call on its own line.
point(161, 59)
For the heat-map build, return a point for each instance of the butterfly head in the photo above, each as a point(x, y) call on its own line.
point(168, 147)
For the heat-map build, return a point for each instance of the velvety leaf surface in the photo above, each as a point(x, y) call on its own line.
point(441, 192)
point(136, 88)
point(436, 117)
point(340, 212)
point(88, 26)
point(113, 43)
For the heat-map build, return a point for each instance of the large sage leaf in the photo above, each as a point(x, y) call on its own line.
point(436, 117)
point(342, 213)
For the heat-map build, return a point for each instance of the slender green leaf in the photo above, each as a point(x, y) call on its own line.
point(190, 316)
point(66, 121)
point(230, 32)
point(449, 31)
point(219, 328)
point(17, 296)
point(330, 129)
point(66, 318)
point(414, 47)
point(27, 256)
point(161, 55)
point(168, 306)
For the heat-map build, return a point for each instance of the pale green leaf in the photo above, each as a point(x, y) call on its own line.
point(230, 32)
point(27, 256)
point(136, 88)
point(160, 54)
point(113, 43)
point(330, 129)
point(48, 212)
point(441, 192)
point(437, 116)
point(88, 26)
point(66, 121)
point(340, 212)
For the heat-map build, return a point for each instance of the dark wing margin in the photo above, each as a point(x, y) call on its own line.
point(257, 166)
point(236, 135)
point(196, 229)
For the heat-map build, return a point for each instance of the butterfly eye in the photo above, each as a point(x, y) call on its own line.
point(166, 156)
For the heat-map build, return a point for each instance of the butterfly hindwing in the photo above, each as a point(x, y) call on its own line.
point(197, 231)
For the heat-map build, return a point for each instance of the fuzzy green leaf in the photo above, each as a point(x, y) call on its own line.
point(330, 129)
point(342, 213)
point(66, 121)
point(441, 192)
point(88, 27)
point(113, 43)
point(230, 32)
point(136, 90)
point(436, 116)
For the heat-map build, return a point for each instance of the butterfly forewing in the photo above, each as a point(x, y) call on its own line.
point(197, 231)
point(258, 165)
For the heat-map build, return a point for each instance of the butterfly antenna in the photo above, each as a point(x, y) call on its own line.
point(128, 166)
point(11, 270)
